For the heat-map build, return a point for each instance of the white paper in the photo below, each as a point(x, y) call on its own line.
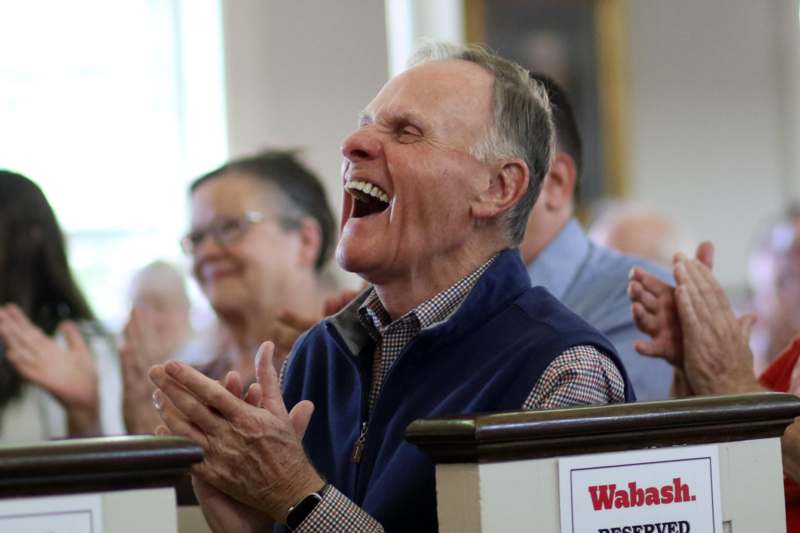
point(52, 514)
point(663, 490)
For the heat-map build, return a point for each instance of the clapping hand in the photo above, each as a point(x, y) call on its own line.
point(716, 352)
point(140, 349)
point(655, 311)
point(253, 448)
point(68, 373)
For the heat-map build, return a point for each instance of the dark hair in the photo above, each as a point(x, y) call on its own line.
point(568, 138)
point(302, 188)
point(34, 273)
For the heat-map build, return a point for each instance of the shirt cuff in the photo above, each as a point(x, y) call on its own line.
point(336, 512)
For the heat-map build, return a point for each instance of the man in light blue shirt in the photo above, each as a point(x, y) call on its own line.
point(589, 279)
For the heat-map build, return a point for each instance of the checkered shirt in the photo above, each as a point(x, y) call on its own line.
point(581, 375)
point(392, 336)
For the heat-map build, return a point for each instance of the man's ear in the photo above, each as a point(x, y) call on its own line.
point(559, 183)
point(310, 242)
point(504, 190)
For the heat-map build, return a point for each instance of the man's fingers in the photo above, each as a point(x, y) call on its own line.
point(710, 297)
point(254, 395)
point(705, 254)
point(300, 416)
point(267, 377)
point(638, 294)
point(175, 421)
point(649, 282)
point(208, 391)
point(646, 321)
point(699, 290)
point(686, 310)
point(233, 383)
point(651, 348)
point(192, 408)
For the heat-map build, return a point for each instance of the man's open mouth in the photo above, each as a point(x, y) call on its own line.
point(369, 199)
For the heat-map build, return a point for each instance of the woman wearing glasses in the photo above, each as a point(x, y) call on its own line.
point(261, 234)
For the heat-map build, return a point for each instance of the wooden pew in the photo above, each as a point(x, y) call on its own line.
point(500, 472)
point(124, 484)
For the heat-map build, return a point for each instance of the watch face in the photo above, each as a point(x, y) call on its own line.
point(300, 512)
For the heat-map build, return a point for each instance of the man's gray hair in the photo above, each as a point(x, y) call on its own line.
point(522, 126)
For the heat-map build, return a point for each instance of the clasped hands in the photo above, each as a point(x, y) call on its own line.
point(254, 466)
point(692, 326)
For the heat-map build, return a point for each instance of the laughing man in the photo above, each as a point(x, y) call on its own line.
point(440, 176)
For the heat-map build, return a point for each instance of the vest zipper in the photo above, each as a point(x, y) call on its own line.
point(358, 448)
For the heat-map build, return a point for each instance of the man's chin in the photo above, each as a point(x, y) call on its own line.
point(356, 261)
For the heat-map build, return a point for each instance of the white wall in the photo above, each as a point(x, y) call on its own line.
point(298, 72)
point(712, 126)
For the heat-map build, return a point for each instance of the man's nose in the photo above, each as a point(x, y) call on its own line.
point(362, 144)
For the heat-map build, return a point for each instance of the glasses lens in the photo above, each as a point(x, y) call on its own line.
point(230, 230)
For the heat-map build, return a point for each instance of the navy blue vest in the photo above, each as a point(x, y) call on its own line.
point(486, 357)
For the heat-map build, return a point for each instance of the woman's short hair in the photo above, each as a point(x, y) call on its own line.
point(305, 196)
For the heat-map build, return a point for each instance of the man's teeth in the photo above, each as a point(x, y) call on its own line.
point(368, 188)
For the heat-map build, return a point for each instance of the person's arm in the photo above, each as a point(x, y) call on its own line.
point(581, 375)
point(253, 450)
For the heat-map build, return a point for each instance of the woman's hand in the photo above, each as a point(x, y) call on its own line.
point(68, 373)
point(139, 350)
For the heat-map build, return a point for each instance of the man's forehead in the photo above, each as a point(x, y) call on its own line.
point(432, 82)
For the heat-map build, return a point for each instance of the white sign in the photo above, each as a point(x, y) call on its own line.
point(52, 514)
point(664, 490)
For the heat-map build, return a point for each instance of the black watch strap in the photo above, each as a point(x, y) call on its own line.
point(300, 511)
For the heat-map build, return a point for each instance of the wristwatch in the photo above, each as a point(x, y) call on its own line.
point(300, 511)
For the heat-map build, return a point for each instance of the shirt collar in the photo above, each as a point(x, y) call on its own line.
point(376, 319)
point(558, 262)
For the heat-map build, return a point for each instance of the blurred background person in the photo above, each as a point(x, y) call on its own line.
point(635, 230)
point(159, 293)
point(774, 280)
point(159, 328)
point(589, 279)
point(262, 233)
point(59, 375)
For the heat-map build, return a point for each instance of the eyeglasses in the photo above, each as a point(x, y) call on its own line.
point(225, 231)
